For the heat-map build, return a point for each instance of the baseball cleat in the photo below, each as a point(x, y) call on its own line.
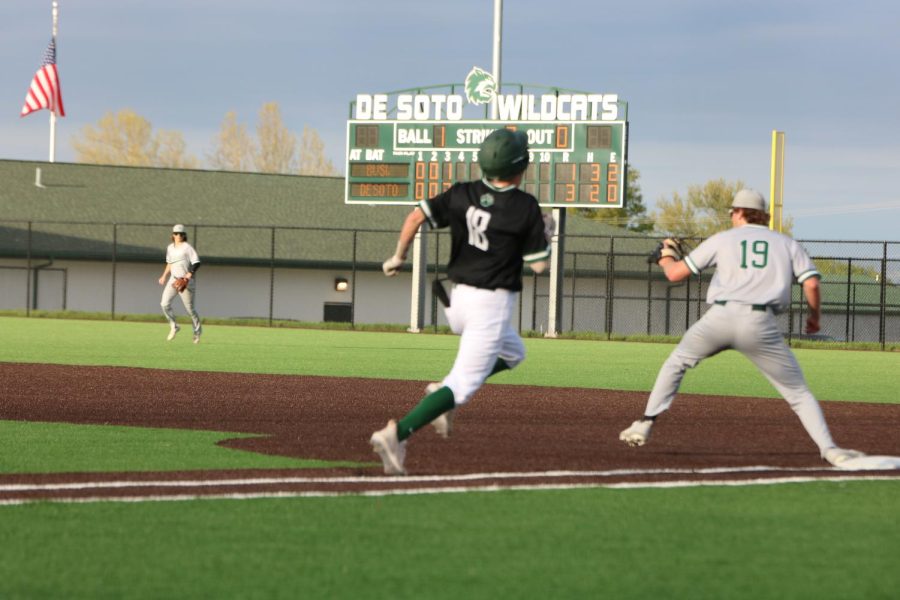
point(196, 338)
point(637, 434)
point(443, 424)
point(836, 456)
point(172, 333)
point(391, 450)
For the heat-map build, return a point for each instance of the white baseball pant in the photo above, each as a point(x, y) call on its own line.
point(483, 318)
point(187, 298)
point(756, 335)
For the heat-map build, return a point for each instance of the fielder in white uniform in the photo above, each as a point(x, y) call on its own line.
point(181, 261)
point(755, 268)
point(495, 228)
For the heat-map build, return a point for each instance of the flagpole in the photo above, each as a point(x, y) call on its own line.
point(498, 42)
point(53, 112)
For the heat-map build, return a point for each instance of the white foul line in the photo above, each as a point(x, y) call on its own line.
point(120, 484)
point(450, 490)
point(109, 485)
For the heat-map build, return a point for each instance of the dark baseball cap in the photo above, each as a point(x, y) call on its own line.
point(503, 153)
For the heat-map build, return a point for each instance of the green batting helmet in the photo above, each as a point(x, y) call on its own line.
point(503, 153)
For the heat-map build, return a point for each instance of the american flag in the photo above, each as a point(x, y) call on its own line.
point(45, 91)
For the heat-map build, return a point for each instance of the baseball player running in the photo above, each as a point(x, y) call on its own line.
point(495, 228)
point(755, 268)
point(178, 278)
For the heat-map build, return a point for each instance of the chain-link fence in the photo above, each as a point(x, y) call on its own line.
point(264, 272)
point(611, 289)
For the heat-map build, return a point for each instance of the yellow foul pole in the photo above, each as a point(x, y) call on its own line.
point(776, 182)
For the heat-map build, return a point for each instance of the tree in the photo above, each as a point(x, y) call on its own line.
point(703, 212)
point(172, 152)
point(633, 216)
point(234, 148)
point(312, 155)
point(274, 150)
point(276, 145)
point(126, 138)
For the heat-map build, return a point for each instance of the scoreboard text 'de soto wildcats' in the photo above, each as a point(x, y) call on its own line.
point(572, 163)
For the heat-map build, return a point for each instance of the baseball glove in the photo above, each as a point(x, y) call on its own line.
point(180, 284)
point(672, 247)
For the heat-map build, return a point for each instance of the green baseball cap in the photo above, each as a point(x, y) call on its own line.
point(503, 153)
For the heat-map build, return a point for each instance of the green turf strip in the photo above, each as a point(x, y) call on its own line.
point(832, 374)
point(818, 540)
point(27, 447)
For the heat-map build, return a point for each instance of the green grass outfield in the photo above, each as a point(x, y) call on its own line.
point(832, 374)
point(817, 540)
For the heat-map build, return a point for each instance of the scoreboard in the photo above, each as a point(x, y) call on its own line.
point(572, 163)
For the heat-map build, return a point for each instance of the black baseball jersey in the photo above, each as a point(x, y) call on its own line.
point(493, 232)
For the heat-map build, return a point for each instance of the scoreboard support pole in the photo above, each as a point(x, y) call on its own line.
point(557, 267)
point(419, 281)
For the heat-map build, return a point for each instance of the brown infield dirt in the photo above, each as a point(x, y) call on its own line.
point(508, 435)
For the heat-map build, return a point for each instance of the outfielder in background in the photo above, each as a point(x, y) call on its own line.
point(178, 278)
point(755, 268)
point(495, 228)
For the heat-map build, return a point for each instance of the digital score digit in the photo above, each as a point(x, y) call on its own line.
point(572, 163)
point(589, 175)
point(598, 137)
point(565, 182)
point(366, 136)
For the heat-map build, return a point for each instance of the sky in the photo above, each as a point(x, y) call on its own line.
point(706, 81)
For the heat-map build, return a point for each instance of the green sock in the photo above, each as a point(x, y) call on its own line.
point(434, 405)
point(500, 365)
point(427, 410)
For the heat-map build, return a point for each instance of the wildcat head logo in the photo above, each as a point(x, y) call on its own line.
point(480, 86)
